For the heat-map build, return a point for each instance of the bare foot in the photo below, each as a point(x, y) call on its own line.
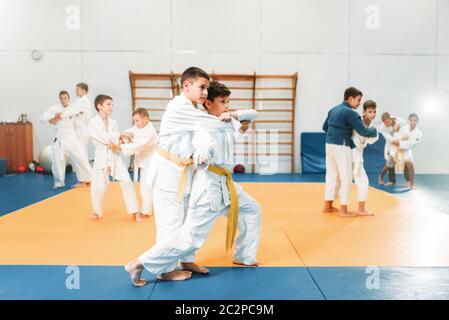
point(347, 214)
point(191, 266)
point(134, 269)
point(389, 184)
point(256, 264)
point(410, 185)
point(175, 275)
point(144, 216)
point(329, 210)
point(95, 216)
point(81, 185)
point(364, 213)
point(137, 217)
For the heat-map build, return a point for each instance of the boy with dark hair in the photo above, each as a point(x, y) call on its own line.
point(339, 125)
point(104, 132)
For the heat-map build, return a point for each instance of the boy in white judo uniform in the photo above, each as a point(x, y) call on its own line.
point(339, 125)
point(213, 194)
point(389, 127)
point(140, 141)
point(104, 133)
point(360, 142)
point(408, 137)
point(66, 144)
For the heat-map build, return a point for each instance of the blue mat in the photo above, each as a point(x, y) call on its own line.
point(277, 283)
point(382, 283)
point(313, 153)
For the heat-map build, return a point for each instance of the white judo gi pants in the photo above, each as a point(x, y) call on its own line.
point(169, 217)
point(146, 194)
point(69, 149)
point(362, 182)
point(163, 256)
point(338, 172)
point(100, 180)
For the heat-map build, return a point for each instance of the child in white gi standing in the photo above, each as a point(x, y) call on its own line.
point(140, 141)
point(104, 133)
point(360, 142)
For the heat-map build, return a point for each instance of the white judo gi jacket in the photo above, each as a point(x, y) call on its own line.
point(218, 146)
point(180, 120)
point(360, 144)
point(105, 158)
point(408, 140)
point(143, 145)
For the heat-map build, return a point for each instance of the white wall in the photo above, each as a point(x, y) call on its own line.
point(402, 65)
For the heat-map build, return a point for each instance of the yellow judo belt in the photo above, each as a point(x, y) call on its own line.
point(233, 212)
point(182, 162)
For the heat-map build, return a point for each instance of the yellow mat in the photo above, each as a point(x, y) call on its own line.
point(57, 231)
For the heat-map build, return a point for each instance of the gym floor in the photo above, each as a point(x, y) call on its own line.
point(400, 253)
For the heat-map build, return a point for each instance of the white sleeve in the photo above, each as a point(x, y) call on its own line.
point(72, 110)
point(186, 117)
point(138, 144)
point(410, 143)
point(372, 140)
point(246, 114)
point(48, 115)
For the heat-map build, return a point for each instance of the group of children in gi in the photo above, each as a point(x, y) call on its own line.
point(348, 134)
point(400, 138)
point(74, 128)
point(185, 172)
point(70, 121)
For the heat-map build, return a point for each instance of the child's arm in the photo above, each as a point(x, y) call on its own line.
point(72, 110)
point(387, 136)
point(202, 143)
point(137, 145)
point(187, 117)
point(410, 143)
point(245, 115)
point(372, 140)
point(356, 123)
point(50, 115)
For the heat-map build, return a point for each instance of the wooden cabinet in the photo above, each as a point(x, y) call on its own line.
point(16, 144)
